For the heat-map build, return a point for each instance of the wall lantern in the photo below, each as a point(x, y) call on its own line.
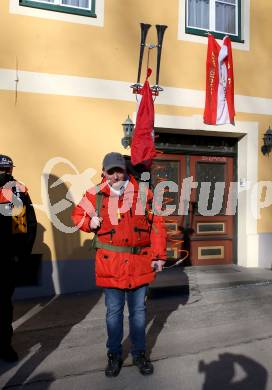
point(267, 139)
point(128, 127)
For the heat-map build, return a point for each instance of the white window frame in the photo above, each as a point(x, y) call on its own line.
point(212, 18)
point(59, 3)
point(245, 27)
point(15, 8)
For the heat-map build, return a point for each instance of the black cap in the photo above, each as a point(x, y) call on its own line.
point(6, 161)
point(114, 160)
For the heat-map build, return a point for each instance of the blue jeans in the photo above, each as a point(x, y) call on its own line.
point(115, 301)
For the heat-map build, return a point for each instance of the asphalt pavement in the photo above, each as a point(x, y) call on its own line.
point(208, 328)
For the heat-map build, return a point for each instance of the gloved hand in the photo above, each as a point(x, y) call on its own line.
point(157, 265)
point(95, 222)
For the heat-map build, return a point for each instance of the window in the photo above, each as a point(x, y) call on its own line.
point(219, 17)
point(78, 7)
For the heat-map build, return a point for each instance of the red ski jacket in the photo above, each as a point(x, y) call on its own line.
point(126, 223)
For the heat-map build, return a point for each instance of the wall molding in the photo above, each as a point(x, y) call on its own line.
point(64, 85)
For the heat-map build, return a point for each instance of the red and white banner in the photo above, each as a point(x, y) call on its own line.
point(219, 103)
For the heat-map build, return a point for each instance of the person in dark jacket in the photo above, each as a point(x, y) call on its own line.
point(130, 241)
point(17, 234)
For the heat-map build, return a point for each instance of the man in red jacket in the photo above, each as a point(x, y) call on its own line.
point(130, 241)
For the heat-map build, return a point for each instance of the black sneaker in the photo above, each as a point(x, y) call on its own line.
point(144, 365)
point(8, 354)
point(114, 365)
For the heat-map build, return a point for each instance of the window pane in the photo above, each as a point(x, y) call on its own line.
point(198, 13)
point(225, 18)
point(77, 3)
point(45, 1)
point(228, 1)
point(166, 170)
point(211, 173)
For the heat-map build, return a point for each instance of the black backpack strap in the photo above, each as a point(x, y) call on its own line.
point(98, 201)
point(98, 204)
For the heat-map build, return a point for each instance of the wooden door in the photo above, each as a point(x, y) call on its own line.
point(209, 238)
point(212, 237)
point(171, 168)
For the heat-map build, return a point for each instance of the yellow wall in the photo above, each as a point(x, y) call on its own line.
point(111, 52)
point(39, 126)
point(79, 130)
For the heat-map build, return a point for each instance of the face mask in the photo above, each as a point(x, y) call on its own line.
point(5, 178)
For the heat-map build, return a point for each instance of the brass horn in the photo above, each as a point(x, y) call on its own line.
point(160, 33)
point(144, 30)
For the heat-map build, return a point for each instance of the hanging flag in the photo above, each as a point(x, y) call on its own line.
point(142, 145)
point(219, 103)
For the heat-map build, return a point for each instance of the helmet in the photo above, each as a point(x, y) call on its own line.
point(5, 161)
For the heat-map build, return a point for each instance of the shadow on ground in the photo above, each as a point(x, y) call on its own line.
point(170, 290)
point(221, 374)
point(41, 381)
point(37, 343)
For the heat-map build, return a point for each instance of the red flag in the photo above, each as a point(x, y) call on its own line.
point(142, 146)
point(219, 104)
